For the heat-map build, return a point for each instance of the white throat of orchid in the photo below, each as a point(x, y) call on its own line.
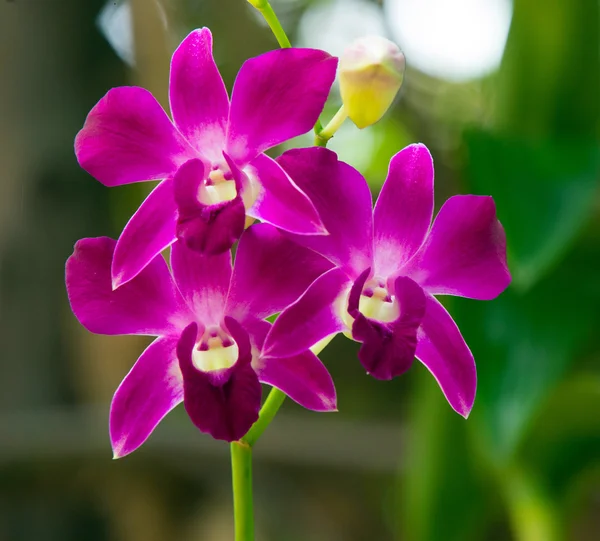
point(215, 350)
point(218, 188)
point(375, 302)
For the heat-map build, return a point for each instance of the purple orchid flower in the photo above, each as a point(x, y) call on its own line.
point(389, 265)
point(212, 154)
point(210, 324)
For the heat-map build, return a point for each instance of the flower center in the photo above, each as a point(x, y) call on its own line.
point(218, 188)
point(375, 302)
point(215, 350)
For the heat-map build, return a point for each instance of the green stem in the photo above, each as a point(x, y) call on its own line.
point(241, 459)
point(322, 137)
point(241, 470)
point(267, 412)
point(270, 16)
point(241, 467)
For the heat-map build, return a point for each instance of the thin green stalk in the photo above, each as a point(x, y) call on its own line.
point(241, 459)
point(241, 470)
point(270, 16)
point(320, 142)
point(267, 412)
point(323, 136)
point(241, 467)
point(318, 126)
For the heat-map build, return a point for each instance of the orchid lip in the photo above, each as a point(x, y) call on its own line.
point(374, 307)
point(219, 187)
point(217, 193)
point(215, 351)
point(376, 302)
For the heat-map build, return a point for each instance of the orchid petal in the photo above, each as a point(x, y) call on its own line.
point(280, 202)
point(222, 403)
point(148, 304)
point(388, 349)
point(314, 316)
point(303, 378)
point(270, 272)
point(276, 96)
point(343, 200)
point(149, 231)
point(127, 137)
point(404, 209)
point(153, 387)
point(203, 281)
point(206, 228)
point(198, 97)
point(442, 349)
point(465, 252)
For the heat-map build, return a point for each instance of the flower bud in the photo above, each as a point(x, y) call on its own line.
point(371, 73)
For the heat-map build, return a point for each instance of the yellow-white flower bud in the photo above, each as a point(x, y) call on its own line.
point(370, 74)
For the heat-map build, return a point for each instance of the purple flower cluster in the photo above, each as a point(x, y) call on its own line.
point(322, 258)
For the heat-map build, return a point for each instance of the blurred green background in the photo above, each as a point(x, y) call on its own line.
point(507, 97)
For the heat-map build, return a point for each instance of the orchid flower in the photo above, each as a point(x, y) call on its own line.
point(127, 137)
point(389, 265)
point(210, 324)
